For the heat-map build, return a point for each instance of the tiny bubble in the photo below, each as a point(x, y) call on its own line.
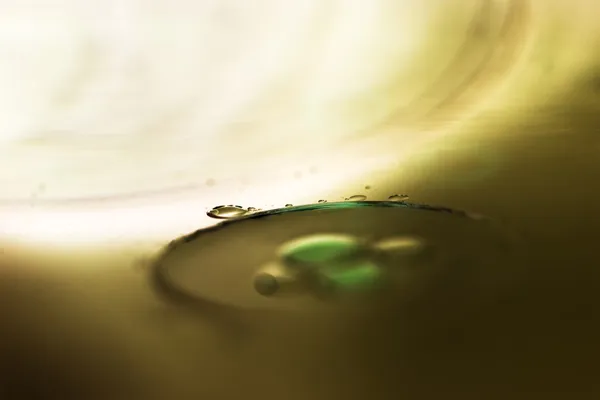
point(398, 197)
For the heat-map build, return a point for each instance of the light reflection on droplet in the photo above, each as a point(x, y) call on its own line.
point(226, 212)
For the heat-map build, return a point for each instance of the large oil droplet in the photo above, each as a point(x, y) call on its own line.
point(322, 201)
point(357, 197)
point(226, 212)
point(398, 197)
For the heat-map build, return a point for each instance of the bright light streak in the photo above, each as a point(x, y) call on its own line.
point(161, 218)
point(117, 97)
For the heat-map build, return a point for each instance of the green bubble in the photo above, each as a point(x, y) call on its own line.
point(319, 250)
point(361, 278)
point(364, 274)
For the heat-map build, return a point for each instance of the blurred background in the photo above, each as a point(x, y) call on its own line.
point(123, 122)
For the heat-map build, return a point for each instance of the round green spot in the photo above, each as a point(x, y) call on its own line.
point(361, 276)
point(320, 250)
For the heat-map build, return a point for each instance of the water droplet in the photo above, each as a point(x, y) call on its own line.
point(398, 197)
point(357, 197)
point(289, 205)
point(362, 276)
point(322, 201)
point(367, 187)
point(266, 284)
point(225, 212)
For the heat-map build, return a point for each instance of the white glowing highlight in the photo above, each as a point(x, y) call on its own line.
point(118, 96)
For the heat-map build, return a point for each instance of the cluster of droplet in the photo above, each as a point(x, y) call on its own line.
point(234, 211)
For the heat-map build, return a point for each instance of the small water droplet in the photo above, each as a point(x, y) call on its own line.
point(266, 284)
point(225, 212)
point(322, 201)
point(357, 197)
point(398, 197)
point(289, 205)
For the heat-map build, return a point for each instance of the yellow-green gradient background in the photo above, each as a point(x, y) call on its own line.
point(122, 122)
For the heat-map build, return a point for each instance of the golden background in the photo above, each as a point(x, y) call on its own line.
point(123, 122)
